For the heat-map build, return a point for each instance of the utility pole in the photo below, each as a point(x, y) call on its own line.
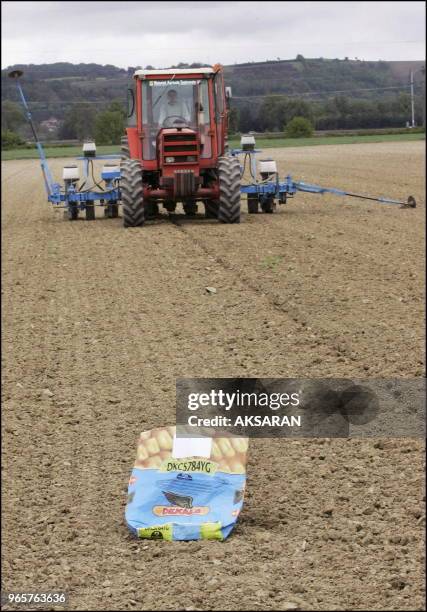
point(412, 100)
point(413, 73)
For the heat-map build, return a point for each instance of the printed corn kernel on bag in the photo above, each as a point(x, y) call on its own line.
point(186, 488)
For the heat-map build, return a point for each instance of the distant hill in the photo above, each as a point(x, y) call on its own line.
point(52, 88)
point(318, 75)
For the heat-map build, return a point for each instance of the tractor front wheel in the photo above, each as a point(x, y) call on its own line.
point(190, 208)
point(151, 210)
point(132, 192)
point(229, 190)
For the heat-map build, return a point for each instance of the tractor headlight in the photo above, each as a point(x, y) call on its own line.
point(191, 158)
point(169, 160)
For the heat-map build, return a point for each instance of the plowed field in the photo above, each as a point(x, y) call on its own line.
point(98, 323)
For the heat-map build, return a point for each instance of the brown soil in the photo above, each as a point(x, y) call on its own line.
point(99, 322)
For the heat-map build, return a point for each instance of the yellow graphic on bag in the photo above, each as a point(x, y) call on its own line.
point(159, 532)
point(211, 531)
point(155, 452)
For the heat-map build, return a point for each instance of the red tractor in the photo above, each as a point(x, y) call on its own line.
point(175, 147)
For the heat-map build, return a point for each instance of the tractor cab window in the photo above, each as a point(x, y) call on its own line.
point(170, 104)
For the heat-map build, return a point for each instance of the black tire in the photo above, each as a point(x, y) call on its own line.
point(111, 211)
point(72, 212)
point(253, 207)
point(170, 206)
point(211, 209)
point(124, 148)
point(151, 210)
point(90, 212)
point(269, 206)
point(132, 192)
point(190, 209)
point(229, 189)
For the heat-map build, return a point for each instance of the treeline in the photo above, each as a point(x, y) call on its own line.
point(73, 98)
point(81, 122)
point(273, 113)
point(316, 76)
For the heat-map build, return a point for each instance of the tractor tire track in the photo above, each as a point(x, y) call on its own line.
point(353, 274)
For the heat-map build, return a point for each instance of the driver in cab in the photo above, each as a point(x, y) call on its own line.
point(174, 110)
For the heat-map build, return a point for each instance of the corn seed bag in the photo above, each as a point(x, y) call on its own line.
point(176, 497)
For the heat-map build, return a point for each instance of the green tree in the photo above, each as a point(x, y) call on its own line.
point(299, 127)
point(117, 106)
point(233, 120)
point(78, 123)
point(275, 111)
point(10, 140)
point(109, 127)
point(11, 116)
point(245, 119)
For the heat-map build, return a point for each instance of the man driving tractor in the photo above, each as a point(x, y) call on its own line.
point(174, 110)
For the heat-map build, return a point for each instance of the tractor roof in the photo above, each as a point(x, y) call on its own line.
point(141, 74)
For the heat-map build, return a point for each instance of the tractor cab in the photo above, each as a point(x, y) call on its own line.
point(175, 105)
point(189, 103)
point(174, 150)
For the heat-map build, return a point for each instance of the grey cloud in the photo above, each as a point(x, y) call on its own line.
point(163, 33)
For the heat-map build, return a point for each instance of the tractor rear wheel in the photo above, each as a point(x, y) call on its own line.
point(132, 192)
point(124, 148)
point(211, 209)
point(229, 190)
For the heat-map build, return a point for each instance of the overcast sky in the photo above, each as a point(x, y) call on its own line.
point(165, 33)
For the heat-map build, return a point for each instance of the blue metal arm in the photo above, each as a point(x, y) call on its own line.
point(289, 187)
point(301, 186)
point(51, 187)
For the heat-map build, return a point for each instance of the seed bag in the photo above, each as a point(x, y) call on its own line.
point(186, 488)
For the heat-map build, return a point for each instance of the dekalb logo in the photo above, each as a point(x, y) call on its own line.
point(177, 511)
